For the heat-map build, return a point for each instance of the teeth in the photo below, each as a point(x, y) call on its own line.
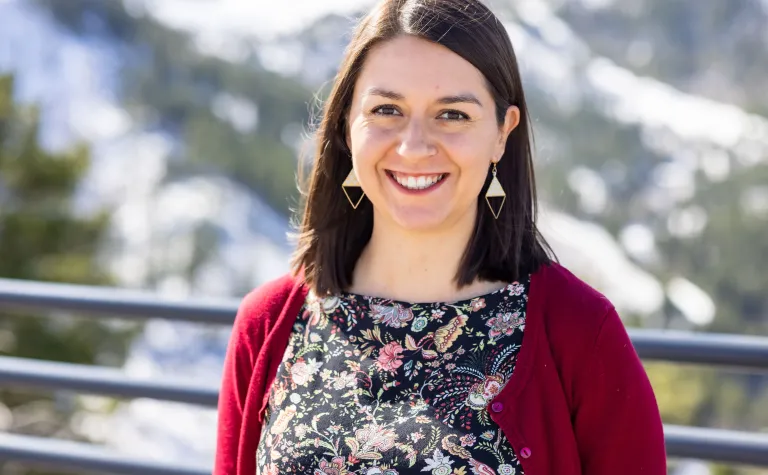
point(420, 183)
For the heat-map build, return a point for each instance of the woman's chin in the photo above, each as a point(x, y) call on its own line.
point(420, 219)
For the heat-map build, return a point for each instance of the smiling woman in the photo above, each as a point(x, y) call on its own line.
point(426, 327)
point(428, 102)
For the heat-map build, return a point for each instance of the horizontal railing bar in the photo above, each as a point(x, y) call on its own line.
point(682, 347)
point(81, 456)
point(101, 380)
point(717, 445)
point(742, 351)
point(112, 301)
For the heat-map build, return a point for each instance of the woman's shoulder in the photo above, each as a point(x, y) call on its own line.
point(270, 295)
point(567, 304)
point(580, 325)
point(261, 307)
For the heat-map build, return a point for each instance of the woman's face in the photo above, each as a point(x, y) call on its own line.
point(423, 134)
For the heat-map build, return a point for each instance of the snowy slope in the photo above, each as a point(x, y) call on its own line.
point(151, 226)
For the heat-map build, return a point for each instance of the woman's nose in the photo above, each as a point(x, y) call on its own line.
point(415, 142)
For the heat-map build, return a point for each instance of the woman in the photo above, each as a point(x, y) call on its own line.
point(425, 327)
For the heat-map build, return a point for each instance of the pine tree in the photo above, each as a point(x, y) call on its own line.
point(42, 239)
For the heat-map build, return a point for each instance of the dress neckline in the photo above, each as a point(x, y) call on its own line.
point(458, 302)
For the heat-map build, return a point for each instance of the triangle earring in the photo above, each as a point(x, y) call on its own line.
point(350, 182)
point(495, 191)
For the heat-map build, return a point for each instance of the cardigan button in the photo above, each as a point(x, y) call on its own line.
point(525, 453)
point(497, 406)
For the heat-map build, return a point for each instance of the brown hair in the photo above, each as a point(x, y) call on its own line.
point(332, 235)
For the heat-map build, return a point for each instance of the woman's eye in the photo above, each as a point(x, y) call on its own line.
point(454, 115)
point(385, 110)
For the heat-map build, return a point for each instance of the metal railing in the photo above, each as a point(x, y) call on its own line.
point(750, 353)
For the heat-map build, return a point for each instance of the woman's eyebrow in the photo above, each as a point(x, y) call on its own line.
point(396, 96)
point(465, 98)
point(377, 91)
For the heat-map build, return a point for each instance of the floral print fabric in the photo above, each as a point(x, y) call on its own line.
point(370, 386)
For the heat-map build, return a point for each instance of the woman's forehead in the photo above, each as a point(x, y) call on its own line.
point(412, 68)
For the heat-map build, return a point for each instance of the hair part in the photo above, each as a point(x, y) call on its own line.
point(332, 235)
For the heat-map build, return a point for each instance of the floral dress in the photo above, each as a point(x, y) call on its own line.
point(370, 386)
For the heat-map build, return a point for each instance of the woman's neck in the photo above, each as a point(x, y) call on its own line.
point(415, 266)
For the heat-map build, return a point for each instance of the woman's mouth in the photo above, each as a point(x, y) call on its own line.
point(416, 182)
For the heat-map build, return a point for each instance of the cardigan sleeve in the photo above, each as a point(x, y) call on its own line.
point(244, 376)
point(246, 373)
point(617, 423)
point(235, 381)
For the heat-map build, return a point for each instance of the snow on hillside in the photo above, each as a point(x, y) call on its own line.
point(151, 226)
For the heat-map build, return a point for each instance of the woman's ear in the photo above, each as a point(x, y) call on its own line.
point(511, 121)
point(347, 133)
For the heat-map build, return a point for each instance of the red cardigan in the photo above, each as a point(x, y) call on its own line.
point(578, 403)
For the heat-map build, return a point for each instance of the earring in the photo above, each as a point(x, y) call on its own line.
point(351, 181)
point(495, 191)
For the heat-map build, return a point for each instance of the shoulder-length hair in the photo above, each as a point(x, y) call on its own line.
point(332, 235)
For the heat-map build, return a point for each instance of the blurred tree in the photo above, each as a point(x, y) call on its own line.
point(42, 239)
point(715, 50)
point(231, 118)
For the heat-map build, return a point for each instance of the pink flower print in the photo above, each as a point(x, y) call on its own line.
point(394, 315)
point(437, 315)
point(375, 437)
point(477, 304)
point(505, 323)
point(468, 440)
point(271, 469)
point(334, 467)
point(344, 380)
point(516, 288)
point(492, 386)
point(390, 357)
point(300, 373)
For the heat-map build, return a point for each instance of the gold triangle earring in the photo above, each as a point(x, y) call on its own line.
point(349, 182)
point(495, 191)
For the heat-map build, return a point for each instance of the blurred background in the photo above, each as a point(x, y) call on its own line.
point(153, 145)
